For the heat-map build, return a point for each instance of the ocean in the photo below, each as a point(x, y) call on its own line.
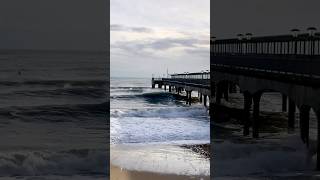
point(53, 109)
point(150, 127)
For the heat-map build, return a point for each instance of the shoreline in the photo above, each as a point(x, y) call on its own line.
point(121, 172)
point(117, 173)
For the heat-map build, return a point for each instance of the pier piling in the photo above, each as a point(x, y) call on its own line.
point(256, 112)
point(291, 115)
point(246, 113)
point(284, 103)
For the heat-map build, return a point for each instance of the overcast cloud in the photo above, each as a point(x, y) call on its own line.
point(54, 24)
point(149, 36)
point(262, 17)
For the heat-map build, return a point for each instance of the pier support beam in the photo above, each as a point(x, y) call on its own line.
point(213, 89)
point(170, 88)
point(304, 123)
point(226, 91)
point(246, 113)
point(205, 100)
point(219, 93)
point(165, 87)
point(291, 115)
point(317, 111)
point(187, 97)
point(153, 84)
point(200, 98)
point(256, 114)
point(284, 103)
point(190, 97)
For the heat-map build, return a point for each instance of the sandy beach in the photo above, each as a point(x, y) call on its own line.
point(122, 174)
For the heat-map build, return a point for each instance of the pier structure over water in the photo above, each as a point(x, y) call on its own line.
point(289, 64)
point(188, 83)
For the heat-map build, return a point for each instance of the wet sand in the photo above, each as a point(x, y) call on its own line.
point(117, 174)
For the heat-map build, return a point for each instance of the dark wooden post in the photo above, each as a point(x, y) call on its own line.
point(291, 115)
point(170, 88)
point(190, 97)
point(219, 93)
point(200, 98)
point(246, 113)
point(205, 100)
point(153, 84)
point(317, 111)
point(256, 114)
point(226, 91)
point(304, 123)
point(187, 97)
point(284, 103)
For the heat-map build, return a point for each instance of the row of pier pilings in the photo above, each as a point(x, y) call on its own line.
point(252, 103)
point(251, 113)
point(203, 98)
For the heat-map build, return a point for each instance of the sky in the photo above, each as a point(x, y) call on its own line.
point(150, 36)
point(54, 24)
point(262, 17)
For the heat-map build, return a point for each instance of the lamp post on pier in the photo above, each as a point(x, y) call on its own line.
point(311, 32)
point(240, 37)
point(295, 33)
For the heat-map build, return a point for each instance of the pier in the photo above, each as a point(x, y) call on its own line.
point(188, 83)
point(288, 64)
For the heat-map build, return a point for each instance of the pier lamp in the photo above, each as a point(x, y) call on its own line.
point(212, 39)
point(240, 36)
point(248, 36)
point(295, 32)
point(312, 31)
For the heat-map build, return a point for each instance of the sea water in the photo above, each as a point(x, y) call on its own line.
point(278, 155)
point(149, 126)
point(53, 109)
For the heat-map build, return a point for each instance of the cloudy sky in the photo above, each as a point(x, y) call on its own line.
point(54, 24)
point(149, 36)
point(262, 17)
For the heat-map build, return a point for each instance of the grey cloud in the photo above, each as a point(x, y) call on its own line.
point(54, 24)
point(158, 44)
point(199, 52)
point(119, 27)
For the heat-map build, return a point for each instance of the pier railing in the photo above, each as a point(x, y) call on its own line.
point(303, 44)
point(200, 75)
point(200, 80)
point(284, 55)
